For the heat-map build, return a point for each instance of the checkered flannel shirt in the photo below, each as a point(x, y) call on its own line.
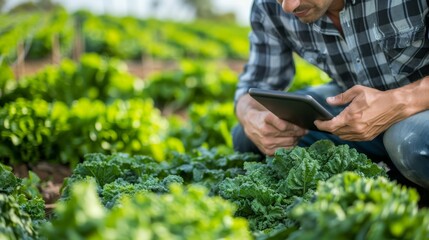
point(385, 45)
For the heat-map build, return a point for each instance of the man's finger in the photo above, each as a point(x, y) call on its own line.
point(284, 126)
point(345, 97)
point(331, 125)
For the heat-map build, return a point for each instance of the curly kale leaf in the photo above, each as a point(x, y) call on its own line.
point(340, 160)
point(170, 179)
point(74, 179)
point(256, 196)
point(344, 158)
point(107, 168)
point(366, 168)
point(15, 223)
point(8, 180)
point(24, 192)
point(322, 151)
point(285, 159)
point(136, 166)
point(208, 167)
point(34, 207)
point(203, 164)
point(115, 190)
point(103, 172)
point(302, 178)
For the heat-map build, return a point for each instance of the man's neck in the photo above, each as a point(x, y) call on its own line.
point(334, 14)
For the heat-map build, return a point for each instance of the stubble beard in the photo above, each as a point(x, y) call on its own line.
point(314, 14)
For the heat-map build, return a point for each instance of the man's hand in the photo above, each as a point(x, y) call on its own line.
point(267, 131)
point(369, 113)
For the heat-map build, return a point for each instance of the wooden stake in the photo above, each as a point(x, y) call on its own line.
point(20, 62)
point(78, 41)
point(56, 49)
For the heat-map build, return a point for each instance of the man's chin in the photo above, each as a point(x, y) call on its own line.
point(307, 20)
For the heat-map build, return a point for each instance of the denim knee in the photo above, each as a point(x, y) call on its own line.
point(407, 143)
point(242, 143)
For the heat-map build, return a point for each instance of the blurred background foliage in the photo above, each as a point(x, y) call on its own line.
point(108, 84)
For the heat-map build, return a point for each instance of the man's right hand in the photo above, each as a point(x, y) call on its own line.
point(264, 129)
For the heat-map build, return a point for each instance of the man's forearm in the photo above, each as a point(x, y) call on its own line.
point(415, 95)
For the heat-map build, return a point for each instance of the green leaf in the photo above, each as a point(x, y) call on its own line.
point(8, 180)
point(303, 177)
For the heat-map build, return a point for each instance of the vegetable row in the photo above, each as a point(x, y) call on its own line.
point(299, 193)
point(120, 37)
point(95, 105)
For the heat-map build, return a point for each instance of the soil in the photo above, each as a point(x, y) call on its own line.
point(141, 69)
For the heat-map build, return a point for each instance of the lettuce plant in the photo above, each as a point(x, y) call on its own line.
point(349, 206)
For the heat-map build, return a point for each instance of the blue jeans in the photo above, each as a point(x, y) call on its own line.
point(405, 144)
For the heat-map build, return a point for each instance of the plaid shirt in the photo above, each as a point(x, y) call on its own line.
point(385, 45)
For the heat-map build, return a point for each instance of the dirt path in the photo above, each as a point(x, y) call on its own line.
point(137, 68)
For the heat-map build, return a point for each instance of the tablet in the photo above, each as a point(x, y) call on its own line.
point(301, 110)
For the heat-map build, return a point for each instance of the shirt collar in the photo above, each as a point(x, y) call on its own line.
point(325, 26)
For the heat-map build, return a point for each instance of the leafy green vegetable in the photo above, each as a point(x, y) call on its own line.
point(38, 130)
point(15, 223)
point(29, 129)
point(208, 125)
point(22, 210)
point(8, 180)
point(79, 217)
point(93, 77)
point(185, 213)
point(122, 174)
point(303, 177)
point(195, 82)
point(267, 191)
point(113, 191)
point(349, 206)
point(24, 192)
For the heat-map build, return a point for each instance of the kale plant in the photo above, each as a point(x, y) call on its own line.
point(22, 209)
point(267, 191)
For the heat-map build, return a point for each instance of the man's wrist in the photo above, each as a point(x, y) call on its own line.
point(414, 96)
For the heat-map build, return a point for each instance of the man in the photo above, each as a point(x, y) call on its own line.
point(376, 52)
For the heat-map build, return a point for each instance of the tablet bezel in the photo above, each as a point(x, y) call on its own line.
point(301, 110)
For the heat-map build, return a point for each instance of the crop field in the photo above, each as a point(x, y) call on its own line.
point(120, 128)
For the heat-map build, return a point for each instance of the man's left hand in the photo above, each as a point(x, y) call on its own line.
point(369, 113)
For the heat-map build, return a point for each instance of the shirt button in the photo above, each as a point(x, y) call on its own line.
point(358, 60)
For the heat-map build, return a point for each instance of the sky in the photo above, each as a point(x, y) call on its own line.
point(171, 9)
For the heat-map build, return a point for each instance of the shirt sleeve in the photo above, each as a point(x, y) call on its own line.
point(270, 64)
